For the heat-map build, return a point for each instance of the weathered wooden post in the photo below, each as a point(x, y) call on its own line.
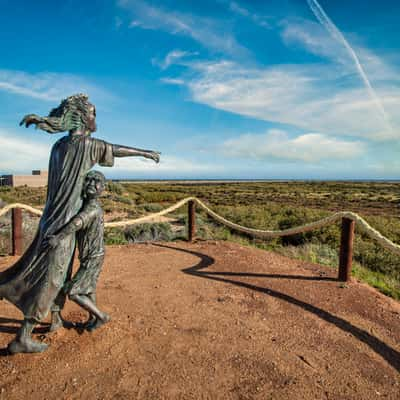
point(191, 220)
point(346, 249)
point(16, 222)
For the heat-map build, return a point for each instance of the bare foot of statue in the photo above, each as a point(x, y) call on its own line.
point(99, 322)
point(56, 321)
point(26, 346)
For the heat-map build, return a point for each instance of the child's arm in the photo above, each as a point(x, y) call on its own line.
point(74, 225)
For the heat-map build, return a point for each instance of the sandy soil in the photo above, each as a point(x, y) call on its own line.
point(214, 320)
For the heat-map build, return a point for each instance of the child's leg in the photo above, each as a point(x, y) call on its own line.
point(92, 318)
point(93, 297)
point(56, 320)
point(86, 302)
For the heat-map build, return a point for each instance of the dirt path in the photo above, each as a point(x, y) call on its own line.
point(214, 320)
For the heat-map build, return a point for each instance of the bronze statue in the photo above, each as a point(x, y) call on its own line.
point(89, 225)
point(34, 283)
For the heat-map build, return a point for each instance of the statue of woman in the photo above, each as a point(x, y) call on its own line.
point(34, 284)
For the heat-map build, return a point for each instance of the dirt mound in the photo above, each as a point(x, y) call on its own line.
point(214, 320)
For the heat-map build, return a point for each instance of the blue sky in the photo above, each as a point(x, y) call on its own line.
point(286, 89)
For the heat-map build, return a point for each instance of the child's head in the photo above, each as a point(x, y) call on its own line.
point(93, 185)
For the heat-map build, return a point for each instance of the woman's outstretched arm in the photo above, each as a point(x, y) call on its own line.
point(125, 151)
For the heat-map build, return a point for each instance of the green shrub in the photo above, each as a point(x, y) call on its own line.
point(148, 232)
point(123, 199)
point(114, 236)
point(269, 206)
point(371, 255)
point(114, 187)
point(152, 207)
point(292, 219)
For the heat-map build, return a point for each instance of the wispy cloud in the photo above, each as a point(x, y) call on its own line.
point(276, 144)
point(337, 35)
point(172, 57)
point(324, 97)
point(210, 33)
point(311, 97)
point(47, 86)
point(314, 38)
point(239, 9)
point(169, 166)
point(22, 154)
point(173, 81)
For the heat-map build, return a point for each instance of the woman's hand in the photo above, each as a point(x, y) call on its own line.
point(154, 155)
point(30, 119)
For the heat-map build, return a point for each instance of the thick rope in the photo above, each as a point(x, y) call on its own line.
point(373, 233)
point(9, 207)
point(150, 217)
point(259, 233)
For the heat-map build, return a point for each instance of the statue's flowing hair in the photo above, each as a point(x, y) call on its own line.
point(70, 114)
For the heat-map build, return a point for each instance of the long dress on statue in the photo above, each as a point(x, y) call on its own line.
point(36, 279)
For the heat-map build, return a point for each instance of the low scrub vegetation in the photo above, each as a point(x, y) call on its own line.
point(263, 205)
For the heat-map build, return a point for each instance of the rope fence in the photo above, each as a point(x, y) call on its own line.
point(349, 219)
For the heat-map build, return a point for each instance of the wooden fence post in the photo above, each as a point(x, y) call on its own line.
point(16, 222)
point(346, 249)
point(191, 220)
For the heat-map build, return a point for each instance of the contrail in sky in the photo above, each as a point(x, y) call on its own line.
point(336, 34)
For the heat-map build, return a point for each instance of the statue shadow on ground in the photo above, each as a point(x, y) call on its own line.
point(12, 326)
point(391, 355)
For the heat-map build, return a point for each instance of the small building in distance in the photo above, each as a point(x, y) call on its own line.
point(37, 179)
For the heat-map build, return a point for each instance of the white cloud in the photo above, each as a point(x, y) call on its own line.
point(244, 12)
point(337, 35)
point(166, 164)
point(47, 86)
point(314, 38)
point(173, 81)
point(386, 169)
point(169, 167)
point(276, 144)
point(313, 97)
point(134, 23)
point(208, 32)
point(22, 155)
point(327, 97)
point(172, 57)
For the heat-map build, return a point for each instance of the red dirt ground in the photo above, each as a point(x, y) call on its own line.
point(214, 320)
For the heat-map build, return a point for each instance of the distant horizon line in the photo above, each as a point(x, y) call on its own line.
point(253, 179)
point(394, 180)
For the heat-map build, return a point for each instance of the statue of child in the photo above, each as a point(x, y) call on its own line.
point(89, 227)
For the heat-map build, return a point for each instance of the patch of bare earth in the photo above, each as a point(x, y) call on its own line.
point(214, 320)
